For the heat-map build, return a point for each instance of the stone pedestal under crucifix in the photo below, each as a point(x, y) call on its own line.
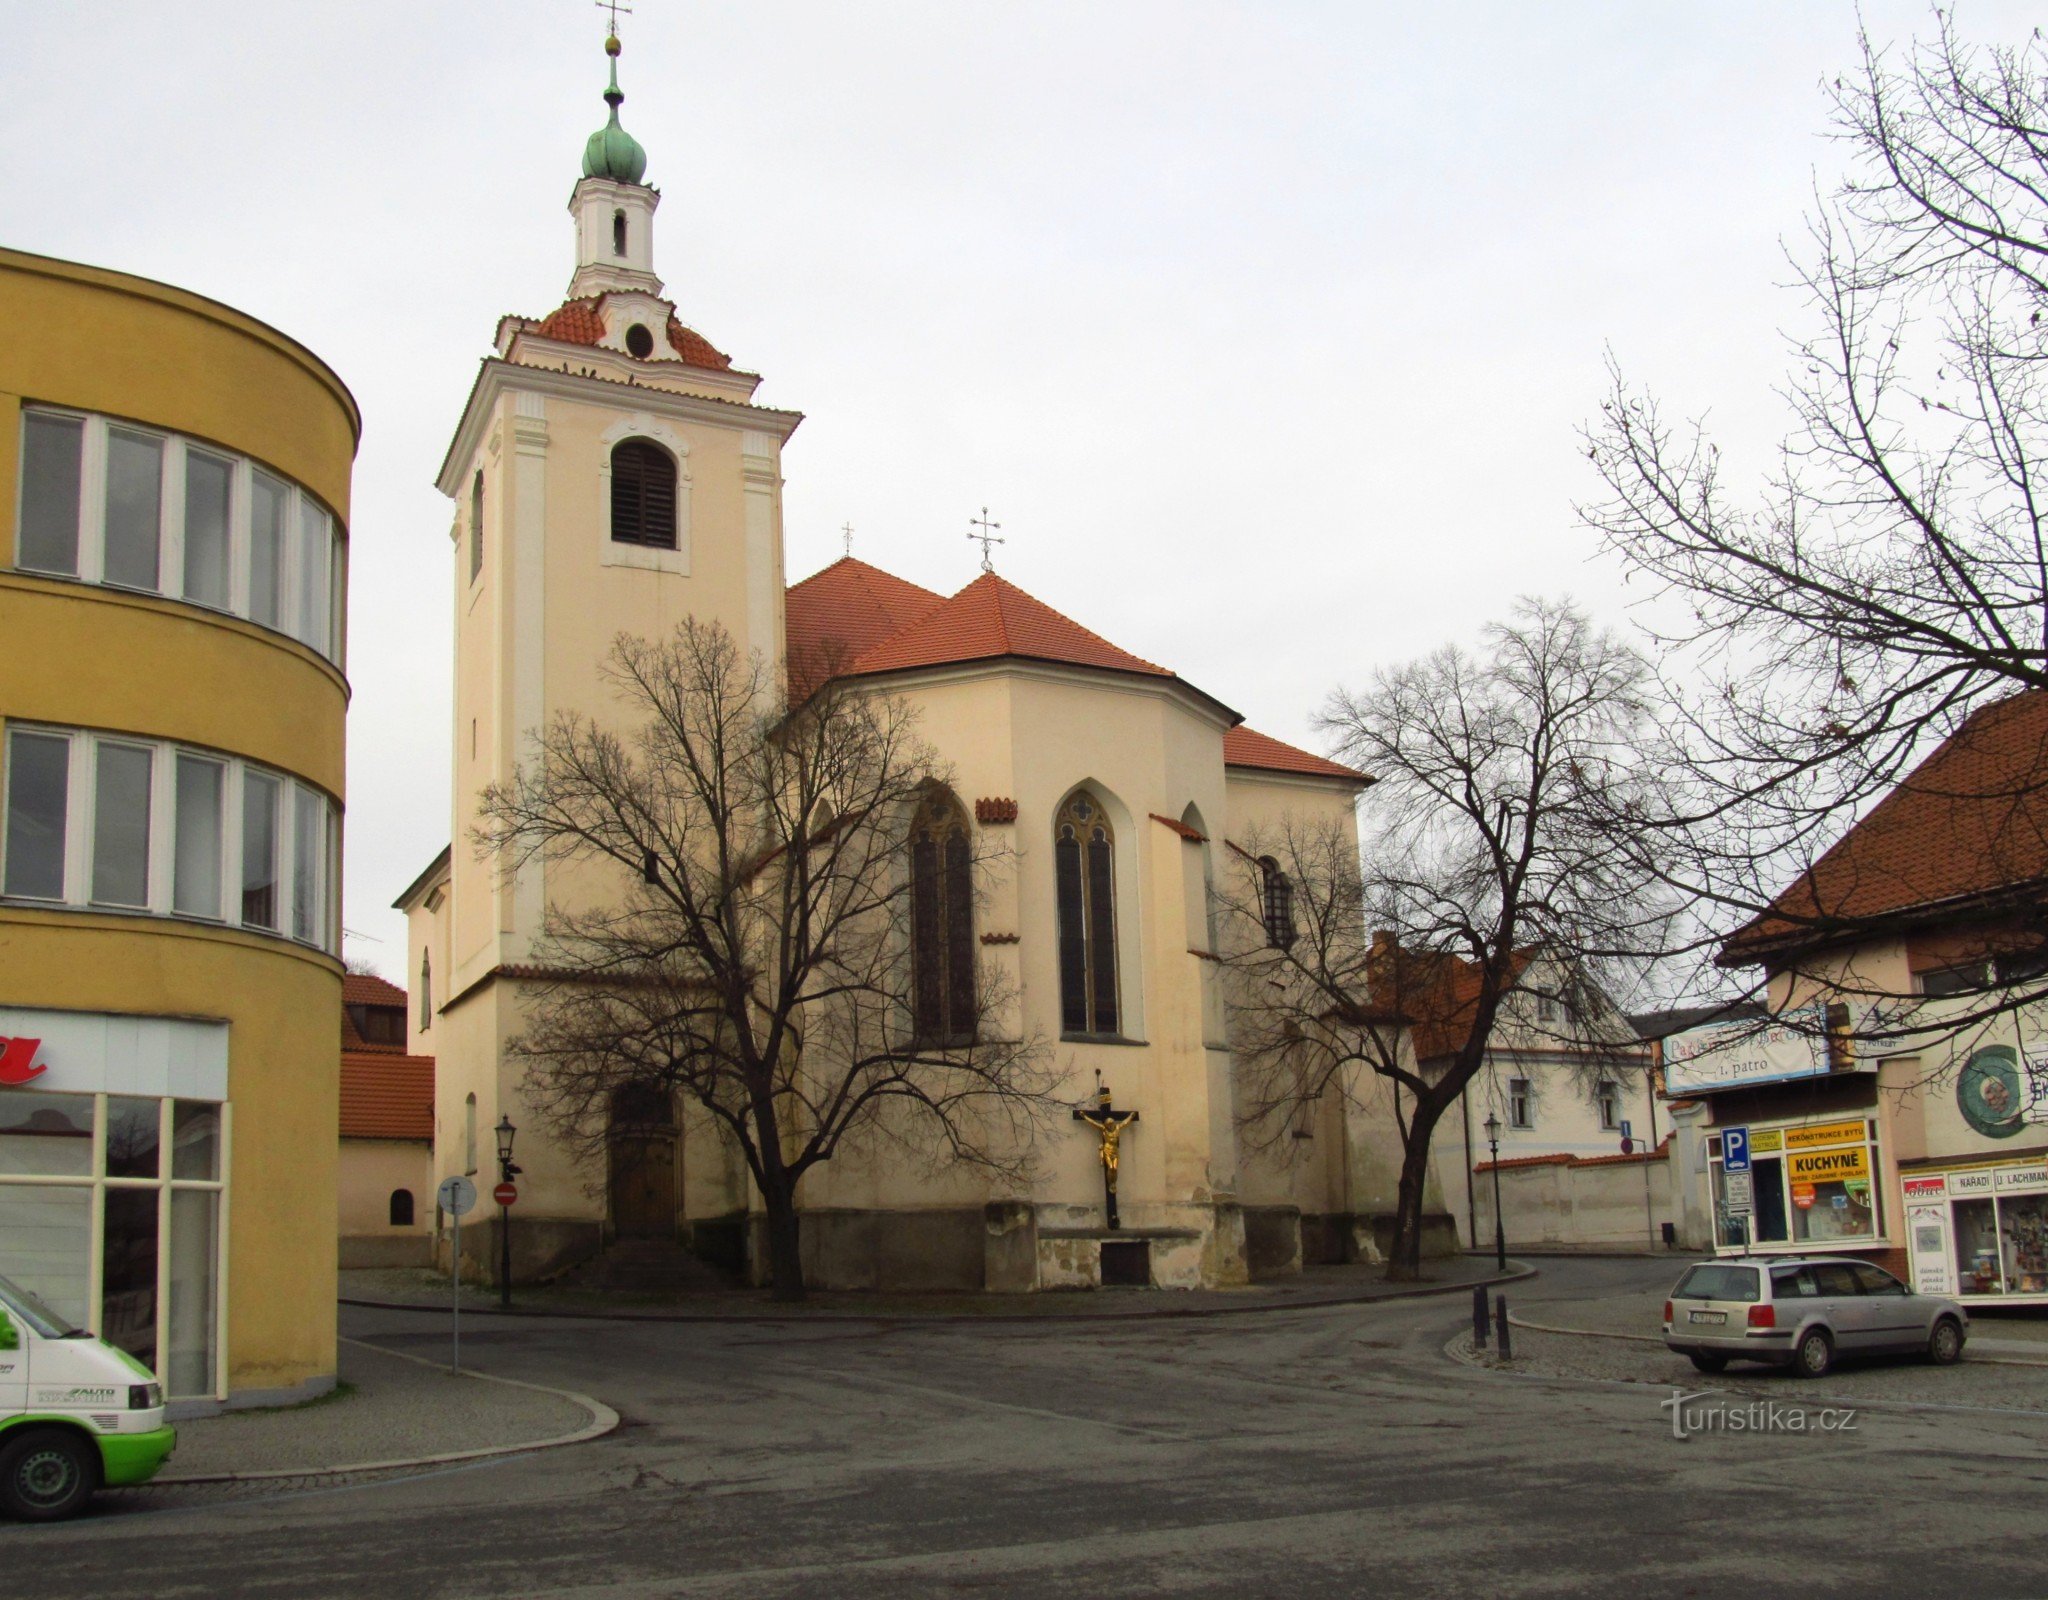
point(1110, 1123)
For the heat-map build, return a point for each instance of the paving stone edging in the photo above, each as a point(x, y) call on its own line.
point(1520, 1272)
point(603, 1419)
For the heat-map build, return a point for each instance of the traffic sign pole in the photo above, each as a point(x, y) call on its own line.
point(456, 1196)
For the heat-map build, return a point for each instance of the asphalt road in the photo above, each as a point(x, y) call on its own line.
point(1333, 1452)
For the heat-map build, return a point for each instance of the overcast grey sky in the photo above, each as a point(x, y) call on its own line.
point(1263, 328)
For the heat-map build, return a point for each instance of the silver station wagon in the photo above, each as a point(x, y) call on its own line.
point(1801, 1312)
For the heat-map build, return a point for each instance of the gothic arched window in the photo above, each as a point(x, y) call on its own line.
point(401, 1208)
point(941, 922)
point(1276, 900)
point(643, 494)
point(1084, 863)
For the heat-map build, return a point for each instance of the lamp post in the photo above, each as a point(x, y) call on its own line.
point(1500, 1238)
point(507, 1171)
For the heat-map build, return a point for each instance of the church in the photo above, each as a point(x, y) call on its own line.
point(612, 473)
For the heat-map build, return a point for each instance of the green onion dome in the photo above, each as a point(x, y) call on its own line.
point(612, 152)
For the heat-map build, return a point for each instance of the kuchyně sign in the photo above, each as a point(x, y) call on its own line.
point(1827, 1166)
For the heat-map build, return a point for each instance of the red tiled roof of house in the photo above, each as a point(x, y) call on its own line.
point(367, 989)
point(991, 618)
point(581, 322)
point(1969, 821)
point(385, 1096)
point(1246, 747)
point(1440, 997)
point(835, 614)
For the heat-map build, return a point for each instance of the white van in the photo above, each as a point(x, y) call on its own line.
point(75, 1414)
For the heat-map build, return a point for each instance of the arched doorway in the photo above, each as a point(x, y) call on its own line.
point(643, 1163)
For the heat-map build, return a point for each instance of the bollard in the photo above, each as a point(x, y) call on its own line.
point(1501, 1328)
point(1479, 1316)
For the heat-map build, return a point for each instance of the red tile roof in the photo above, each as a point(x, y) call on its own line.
point(582, 322)
point(1246, 747)
point(367, 989)
point(1969, 821)
point(385, 1096)
point(1440, 996)
point(833, 615)
point(992, 618)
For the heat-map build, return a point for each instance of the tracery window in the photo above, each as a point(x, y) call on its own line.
point(1084, 850)
point(941, 922)
point(643, 494)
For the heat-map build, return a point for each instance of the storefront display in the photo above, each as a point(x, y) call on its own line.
point(110, 1202)
point(1810, 1184)
point(1980, 1233)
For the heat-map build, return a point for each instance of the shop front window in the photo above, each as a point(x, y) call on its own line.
point(90, 1205)
point(1976, 1230)
point(1839, 1210)
point(2023, 1242)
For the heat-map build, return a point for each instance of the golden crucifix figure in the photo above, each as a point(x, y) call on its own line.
point(1110, 1123)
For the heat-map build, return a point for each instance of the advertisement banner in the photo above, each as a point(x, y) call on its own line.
point(1827, 1166)
point(1825, 1134)
point(1732, 1055)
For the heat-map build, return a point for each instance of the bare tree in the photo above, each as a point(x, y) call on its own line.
point(753, 950)
point(1888, 578)
point(1487, 865)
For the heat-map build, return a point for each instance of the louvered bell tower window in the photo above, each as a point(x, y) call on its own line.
point(643, 495)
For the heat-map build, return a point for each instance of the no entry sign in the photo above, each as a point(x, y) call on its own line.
point(505, 1193)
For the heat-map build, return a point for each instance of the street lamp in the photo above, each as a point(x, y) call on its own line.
point(1500, 1238)
point(507, 1171)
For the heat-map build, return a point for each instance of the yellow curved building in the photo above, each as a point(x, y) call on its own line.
point(174, 492)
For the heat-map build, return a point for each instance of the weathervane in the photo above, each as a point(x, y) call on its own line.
point(986, 537)
point(846, 535)
point(614, 7)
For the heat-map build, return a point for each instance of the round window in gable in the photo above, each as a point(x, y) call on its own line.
point(639, 341)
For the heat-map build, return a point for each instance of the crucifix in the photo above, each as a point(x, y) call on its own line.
point(846, 535)
point(1110, 1123)
point(614, 7)
point(986, 537)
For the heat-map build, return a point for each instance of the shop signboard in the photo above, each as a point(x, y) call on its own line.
point(1825, 1133)
point(1809, 1167)
point(1803, 1196)
point(2029, 1179)
point(1766, 1141)
point(1732, 1055)
point(87, 1052)
point(1967, 1184)
point(1934, 1188)
point(1927, 1230)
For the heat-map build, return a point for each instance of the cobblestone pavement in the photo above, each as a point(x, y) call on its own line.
point(1330, 1452)
point(1970, 1384)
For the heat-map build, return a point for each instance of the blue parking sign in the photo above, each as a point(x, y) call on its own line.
point(1735, 1149)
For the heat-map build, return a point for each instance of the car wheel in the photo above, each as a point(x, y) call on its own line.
point(47, 1473)
point(1945, 1343)
point(1709, 1363)
point(1814, 1356)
